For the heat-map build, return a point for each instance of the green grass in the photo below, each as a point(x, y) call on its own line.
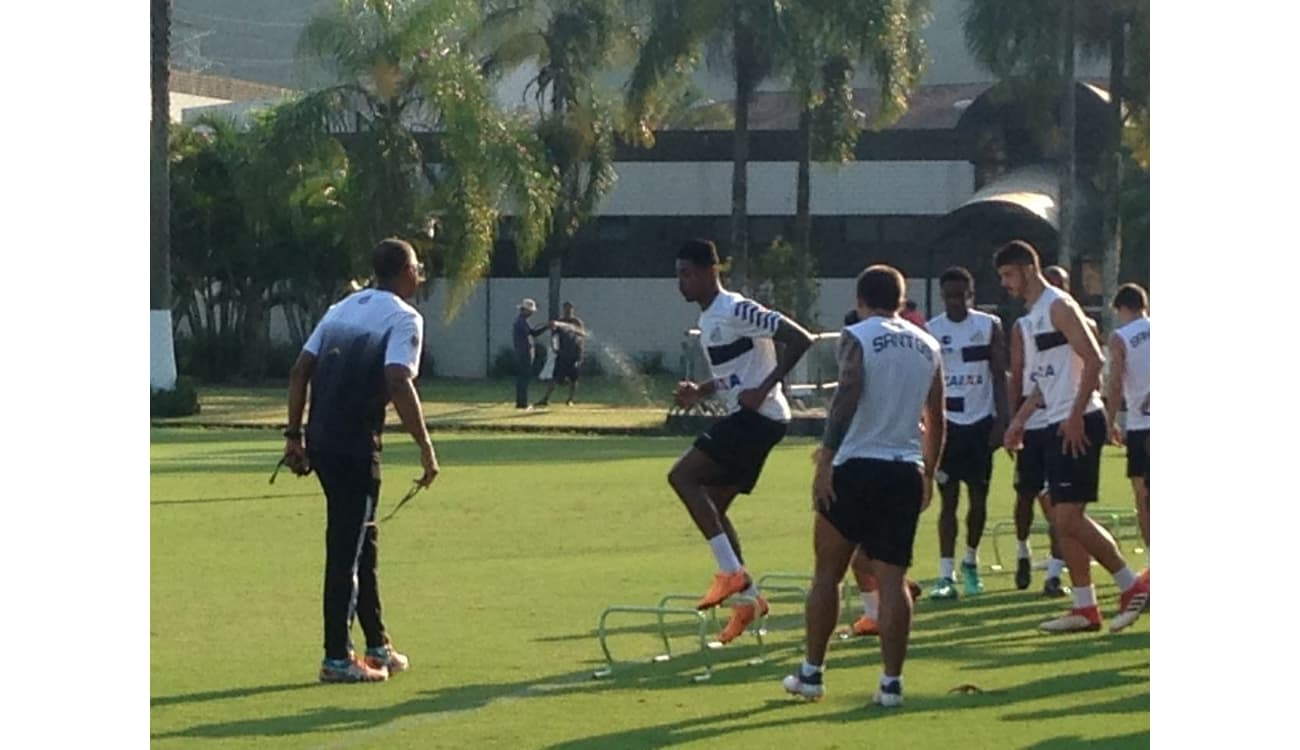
point(493, 581)
point(602, 402)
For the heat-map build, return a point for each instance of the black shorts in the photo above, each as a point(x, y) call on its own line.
point(1031, 463)
point(877, 505)
point(740, 443)
point(1075, 480)
point(1138, 443)
point(967, 455)
point(566, 370)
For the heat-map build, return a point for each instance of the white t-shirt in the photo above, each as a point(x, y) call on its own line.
point(353, 343)
point(899, 361)
point(1055, 367)
point(1136, 338)
point(967, 369)
point(736, 334)
point(1038, 419)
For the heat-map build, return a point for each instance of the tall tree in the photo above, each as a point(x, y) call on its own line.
point(1021, 41)
point(405, 67)
point(163, 366)
point(739, 36)
point(824, 43)
point(570, 42)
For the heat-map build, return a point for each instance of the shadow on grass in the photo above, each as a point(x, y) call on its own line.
point(217, 695)
point(452, 451)
point(242, 499)
point(1075, 742)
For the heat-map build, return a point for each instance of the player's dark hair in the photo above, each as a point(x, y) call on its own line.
point(1016, 253)
point(1130, 296)
point(881, 287)
point(389, 258)
point(957, 273)
point(700, 253)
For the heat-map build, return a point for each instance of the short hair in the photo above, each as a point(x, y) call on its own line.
point(1016, 253)
point(957, 273)
point(700, 253)
point(1130, 296)
point(881, 287)
point(389, 258)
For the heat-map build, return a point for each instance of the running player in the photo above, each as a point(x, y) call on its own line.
point(737, 335)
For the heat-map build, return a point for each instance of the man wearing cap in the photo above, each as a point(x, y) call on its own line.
point(523, 339)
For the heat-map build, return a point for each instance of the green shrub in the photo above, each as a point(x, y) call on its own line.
point(183, 401)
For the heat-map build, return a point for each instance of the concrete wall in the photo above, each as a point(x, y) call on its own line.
point(625, 317)
point(869, 187)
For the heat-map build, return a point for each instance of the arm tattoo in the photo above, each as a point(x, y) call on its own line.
point(845, 403)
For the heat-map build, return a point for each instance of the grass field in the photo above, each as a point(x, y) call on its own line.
point(493, 582)
point(602, 402)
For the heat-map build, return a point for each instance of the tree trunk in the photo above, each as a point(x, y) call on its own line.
point(1066, 213)
point(803, 186)
point(162, 347)
point(740, 160)
point(553, 285)
point(159, 178)
point(1113, 175)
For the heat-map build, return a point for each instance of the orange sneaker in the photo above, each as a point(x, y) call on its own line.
point(724, 585)
point(1145, 576)
point(866, 626)
point(741, 616)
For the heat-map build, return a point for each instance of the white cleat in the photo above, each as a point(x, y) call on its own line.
point(889, 697)
point(794, 684)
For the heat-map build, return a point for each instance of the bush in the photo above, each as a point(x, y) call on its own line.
point(181, 402)
point(504, 363)
point(650, 363)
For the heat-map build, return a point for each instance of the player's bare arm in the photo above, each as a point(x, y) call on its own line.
point(1069, 320)
point(796, 340)
point(935, 434)
point(1115, 388)
point(407, 403)
point(688, 394)
point(1014, 439)
point(299, 378)
point(998, 366)
point(844, 404)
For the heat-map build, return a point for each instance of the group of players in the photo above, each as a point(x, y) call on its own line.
point(909, 409)
point(913, 408)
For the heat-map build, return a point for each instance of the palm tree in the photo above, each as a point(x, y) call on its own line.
point(570, 42)
point(824, 42)
point(1022, 41)
point(404, 67)
point(160, 21)
point(737, 35)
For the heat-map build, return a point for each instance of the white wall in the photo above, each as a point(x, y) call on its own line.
point(875, 187)
point(624, 316)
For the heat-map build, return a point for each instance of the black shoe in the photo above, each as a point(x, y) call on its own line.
point(1022, 573)
point(542, 404)
point(1053, 589)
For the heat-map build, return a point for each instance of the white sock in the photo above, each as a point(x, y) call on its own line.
point(1022, 550)
point(808, 670)
point(752, 590)
point(1125, 578)
point(886, 680)
point(1084, 596)
point(972, 556)
point(946, 568)
point(725, 555)
point(871, 604)
point(1054, 567)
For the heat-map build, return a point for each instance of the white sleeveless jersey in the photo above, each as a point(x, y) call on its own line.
point(736, 334)
point(967, 370)
point(1038, 419)
point(898, 364)
point(1056, 368)
point(1137, 372)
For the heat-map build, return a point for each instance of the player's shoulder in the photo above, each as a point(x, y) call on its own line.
point(990, 317)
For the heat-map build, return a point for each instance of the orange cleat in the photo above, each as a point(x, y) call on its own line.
point(866, 626)
point(724, 585)
point(741, 616)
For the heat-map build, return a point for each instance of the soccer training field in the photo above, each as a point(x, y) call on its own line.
point(493, 581)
